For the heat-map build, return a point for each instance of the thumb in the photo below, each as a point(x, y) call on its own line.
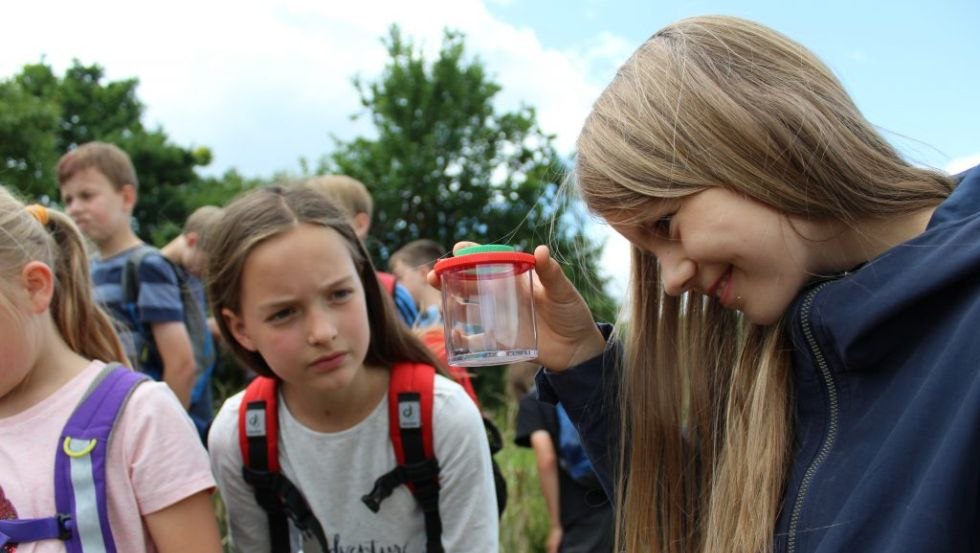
point(551, 275)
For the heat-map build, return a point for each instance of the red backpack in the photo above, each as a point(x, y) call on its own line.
point(410, 398)
point(435, 340)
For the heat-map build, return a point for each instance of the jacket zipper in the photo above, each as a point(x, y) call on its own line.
point(834, 414)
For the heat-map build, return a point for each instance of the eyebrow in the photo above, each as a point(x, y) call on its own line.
point(283, 301)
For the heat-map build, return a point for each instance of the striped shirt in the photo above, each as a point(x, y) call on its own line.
point(405, 304)
point(158, 301)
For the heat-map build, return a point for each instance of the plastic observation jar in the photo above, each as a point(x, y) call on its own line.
point(487, 307)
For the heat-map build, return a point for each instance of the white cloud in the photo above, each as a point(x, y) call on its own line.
point(263, 82)
point(616, 260)
point(961, 164)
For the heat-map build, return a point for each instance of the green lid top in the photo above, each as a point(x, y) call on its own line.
point(486, 248)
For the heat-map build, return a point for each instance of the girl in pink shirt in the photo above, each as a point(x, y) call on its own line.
point(157, 480)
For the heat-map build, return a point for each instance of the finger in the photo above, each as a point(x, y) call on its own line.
point(433, 280)
point(431, 276)
point(460, 245)
point(551, 275)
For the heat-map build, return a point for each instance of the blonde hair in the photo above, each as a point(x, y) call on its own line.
point(265, 213)
point(83, 325)
point(720, 101)
point(108, 159)
point(202, 220)
point(346, 192)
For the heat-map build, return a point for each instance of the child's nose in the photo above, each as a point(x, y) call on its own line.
point(322, 326)
point(677, 274)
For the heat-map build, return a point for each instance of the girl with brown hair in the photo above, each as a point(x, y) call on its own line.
point(296, 297)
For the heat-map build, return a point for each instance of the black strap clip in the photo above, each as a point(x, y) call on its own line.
point(65, 527)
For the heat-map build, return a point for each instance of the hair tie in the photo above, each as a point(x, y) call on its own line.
point(40, 213)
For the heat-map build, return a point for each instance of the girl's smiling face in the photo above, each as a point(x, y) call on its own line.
point(303, 309)
point(716, 242)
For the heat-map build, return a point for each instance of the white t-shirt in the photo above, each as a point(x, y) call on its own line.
point(334, 470)
point(155, 459)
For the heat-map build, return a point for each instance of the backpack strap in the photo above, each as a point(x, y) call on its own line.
point(387, 281)
point(80, 462)
point(258, 436)
point(130, 283)
point(410, 399)
point(82, 519)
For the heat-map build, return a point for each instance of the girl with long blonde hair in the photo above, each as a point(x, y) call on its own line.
point(798, 370)
point(142, 481)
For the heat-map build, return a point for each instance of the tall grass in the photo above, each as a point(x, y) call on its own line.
point(524, 525)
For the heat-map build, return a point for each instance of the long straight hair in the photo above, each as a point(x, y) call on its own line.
point(265, 213)
point(706, 399)
point(83, 325)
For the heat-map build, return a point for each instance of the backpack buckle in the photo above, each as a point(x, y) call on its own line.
point(64, 527)
point(383, 487)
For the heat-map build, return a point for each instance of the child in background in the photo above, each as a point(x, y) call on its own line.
point(352, 196)
point(800, 369)
point(99, 189)
point(187, 254)
point(579, 513)
point(54, 341)
point(410, 264)
point(297, 299)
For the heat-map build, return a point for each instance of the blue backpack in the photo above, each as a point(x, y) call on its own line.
point(82, 519)
point(571, 456)
point(195, 319)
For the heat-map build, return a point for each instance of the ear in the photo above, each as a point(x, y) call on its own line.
point(38, 280)
point(128, 192)
point(362, 224)
point(236, 325)
point(190, 238)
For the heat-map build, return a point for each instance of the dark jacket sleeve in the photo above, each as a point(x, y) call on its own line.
point(589, 394)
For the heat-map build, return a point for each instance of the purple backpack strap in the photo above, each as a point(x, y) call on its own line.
point(80, 461)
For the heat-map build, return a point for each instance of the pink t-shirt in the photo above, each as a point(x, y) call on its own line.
point(155, 460)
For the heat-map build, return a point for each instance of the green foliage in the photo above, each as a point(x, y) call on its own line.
point(445, 165)
point(43, 115)
point(28, 139)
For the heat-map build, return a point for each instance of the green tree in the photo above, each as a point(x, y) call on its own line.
point(43, 115)
point(446, 165)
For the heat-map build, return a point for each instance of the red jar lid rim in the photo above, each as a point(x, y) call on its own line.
point(473, 259)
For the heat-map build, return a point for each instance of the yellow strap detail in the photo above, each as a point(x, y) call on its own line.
point(76, 454)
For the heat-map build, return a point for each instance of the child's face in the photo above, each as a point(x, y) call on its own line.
point(97, 207)
point(303, 309)
point(193, 257)
point(722, 244)
point(17, 351)
point(413, 278)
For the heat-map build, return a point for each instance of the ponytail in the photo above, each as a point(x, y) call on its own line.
point(85, 327)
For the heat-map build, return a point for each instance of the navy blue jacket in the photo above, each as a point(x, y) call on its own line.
point(886, 364)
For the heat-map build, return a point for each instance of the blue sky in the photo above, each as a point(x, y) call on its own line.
point(265, 82)
point(913, 67)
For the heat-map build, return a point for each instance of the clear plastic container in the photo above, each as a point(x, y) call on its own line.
point(487, 307)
